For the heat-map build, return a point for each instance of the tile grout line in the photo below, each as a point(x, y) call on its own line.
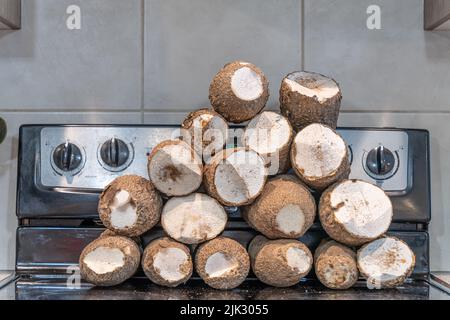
point(142, 60)
point(302, 35)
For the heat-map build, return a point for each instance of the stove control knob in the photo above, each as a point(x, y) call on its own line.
point(380, 161)
point(114, 153)
point(67, 157)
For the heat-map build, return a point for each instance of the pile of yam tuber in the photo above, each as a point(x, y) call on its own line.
point(284, 157)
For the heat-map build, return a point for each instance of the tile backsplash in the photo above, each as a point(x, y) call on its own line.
point(151, 61)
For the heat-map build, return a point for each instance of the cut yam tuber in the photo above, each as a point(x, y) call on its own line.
point(239, 91)
point(335, 265)
point(285, 209)
point(307, 97)
point(167, 262)
point(206, 132)
point(175, 168)
point(354, 212)
point(222, 263)
point(279, 263)
point(194, 218)
point(235, 177)
point(130, 206)
point(319, 156)
point(386, 262)
point(109, 260)
point(270, 135)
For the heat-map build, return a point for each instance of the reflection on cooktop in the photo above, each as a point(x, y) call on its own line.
point(195, 290)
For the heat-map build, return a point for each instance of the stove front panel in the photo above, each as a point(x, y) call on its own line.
point(51, 186)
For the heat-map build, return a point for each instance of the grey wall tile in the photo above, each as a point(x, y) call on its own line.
point(8, 165)
point(165, 118)
point(187, 42)
point(437, 124)
point(45, 65)
point(400, 67)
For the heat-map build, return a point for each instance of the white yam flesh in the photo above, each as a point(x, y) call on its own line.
point(175, 169)
point(218, 265)
point(194, 218)
point(270, 135)
point(168, 262)
point(246, 84)
point(123, 212)
point(103, 260)
point(323, 88)
point(386, 262)
point(240, 177)
point(319, 151)
point(206, 131)
point(366, 210)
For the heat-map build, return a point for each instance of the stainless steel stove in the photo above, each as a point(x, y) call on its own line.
point(62, 169)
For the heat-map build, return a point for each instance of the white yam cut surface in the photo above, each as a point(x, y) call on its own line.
point(174, 169)
point(168, 262)
point(104, 260)
point(298, 259)
point(246, 84)
point(366, 209)
point(267, 133)
point(312, 85)
point(290, 219)
point(319, 151)
point(123, 213)
point(385, 259)
point(240, 176)
point(218, 264)
point(193, 218)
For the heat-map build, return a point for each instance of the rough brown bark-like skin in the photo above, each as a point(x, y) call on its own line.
point(225, 102)
point(284, 160)
point(321, 183)
point(188, 128)
point(268, 260)
point(148, 258)
point(195, 158)
point(333, 257)
point(144, 197)
point(131, 262)
point(332, 226)
point(277, 193)
point(230, 248)
point(110, 233)
point(302, 110)
point(209, 178)
point(392, 283)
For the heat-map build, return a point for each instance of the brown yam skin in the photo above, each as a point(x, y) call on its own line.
point(187, 125)
point(277, 193)
point(332, 226)
point(110, 233)
point(148, 257)
point(230, 248)
point(302, 110)
point(333, 257)
point(225, 102)
point(209, 178)
point(392, 283)
point(169, 173)
point(132, 259)
point(268, 261)
point(321, 183)
point(144, 197)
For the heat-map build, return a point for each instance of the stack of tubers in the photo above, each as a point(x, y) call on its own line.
point(192, 178)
